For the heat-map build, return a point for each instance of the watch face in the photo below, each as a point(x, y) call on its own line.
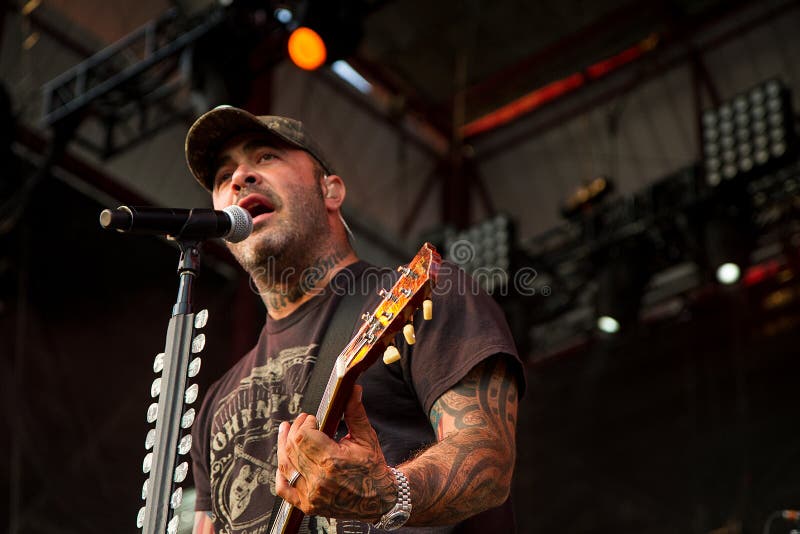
point(396, 520)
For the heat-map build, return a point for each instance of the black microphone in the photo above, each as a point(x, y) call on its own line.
point(234, 223)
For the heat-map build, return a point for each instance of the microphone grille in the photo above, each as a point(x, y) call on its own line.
point(241, 224)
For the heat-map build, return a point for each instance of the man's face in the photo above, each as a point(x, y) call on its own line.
point(279, 187)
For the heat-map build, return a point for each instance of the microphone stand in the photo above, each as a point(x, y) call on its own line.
point(188, 268)
point(158, 515)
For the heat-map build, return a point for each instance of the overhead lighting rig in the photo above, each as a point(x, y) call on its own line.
point(485, 251)
point(749, 134)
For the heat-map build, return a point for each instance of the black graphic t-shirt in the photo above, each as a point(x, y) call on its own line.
point(235, 438)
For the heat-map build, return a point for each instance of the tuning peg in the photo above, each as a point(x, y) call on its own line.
point(405, 271)
point(172, 526)
point(145, 489)
point(140, 518)
point(391, 355)
point(150, 439)
point(427, 309)
point(201, 319)
point(408, 333)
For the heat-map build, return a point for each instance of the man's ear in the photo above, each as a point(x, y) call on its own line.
point(334, 191)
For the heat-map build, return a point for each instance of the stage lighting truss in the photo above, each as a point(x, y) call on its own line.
point(134, 87)
point(485, 251)
point(748, 134)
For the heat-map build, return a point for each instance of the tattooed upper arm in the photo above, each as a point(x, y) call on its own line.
point(485, 398)
point(469, 469)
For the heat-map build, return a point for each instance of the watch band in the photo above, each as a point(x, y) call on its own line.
point(399, 514)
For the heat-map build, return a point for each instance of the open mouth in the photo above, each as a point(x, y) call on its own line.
point(257, 205)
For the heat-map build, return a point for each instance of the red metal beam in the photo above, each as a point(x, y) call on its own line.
point(606, 24)
point(678, 34)
point(658, 69)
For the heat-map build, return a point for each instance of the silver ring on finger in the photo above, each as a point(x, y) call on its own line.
point(294, 477)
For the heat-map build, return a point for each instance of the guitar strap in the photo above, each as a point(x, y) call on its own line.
point(337, 334)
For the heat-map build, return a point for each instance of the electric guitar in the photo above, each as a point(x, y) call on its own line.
point(375, 336)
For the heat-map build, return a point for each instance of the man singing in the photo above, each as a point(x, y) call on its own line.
point(429, 443)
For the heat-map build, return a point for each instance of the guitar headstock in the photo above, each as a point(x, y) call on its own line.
point(395, 312)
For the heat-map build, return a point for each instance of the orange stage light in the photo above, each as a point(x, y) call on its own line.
point(306, 48)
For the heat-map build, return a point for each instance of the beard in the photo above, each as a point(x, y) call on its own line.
point(279, 250)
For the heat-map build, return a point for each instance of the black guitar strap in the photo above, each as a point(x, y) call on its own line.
point(334, 339)
point(333, 342)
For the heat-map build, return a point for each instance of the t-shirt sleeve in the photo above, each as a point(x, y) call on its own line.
point(200, 454)
point(468, 326)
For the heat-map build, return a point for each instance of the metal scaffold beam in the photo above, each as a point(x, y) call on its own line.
point(114, 88)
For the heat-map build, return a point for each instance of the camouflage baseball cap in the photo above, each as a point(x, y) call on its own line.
point(213, 129)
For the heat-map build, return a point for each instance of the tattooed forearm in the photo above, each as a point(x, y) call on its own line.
point(470, 469)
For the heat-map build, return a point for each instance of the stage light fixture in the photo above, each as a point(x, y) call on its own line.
point(726, 247)
point(748, 133)
point(623, 275)
point(728, 273)
point(324, 31)
point(283, 15)
point(484, 250)
point(608, 324)
point(307, 49)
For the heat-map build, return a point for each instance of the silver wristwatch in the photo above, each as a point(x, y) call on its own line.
point(397, 516)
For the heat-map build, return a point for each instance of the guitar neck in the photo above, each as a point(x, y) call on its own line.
point(330, 412)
